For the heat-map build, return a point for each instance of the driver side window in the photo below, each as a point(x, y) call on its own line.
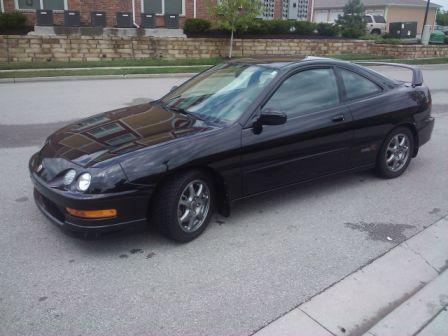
point(305, 92)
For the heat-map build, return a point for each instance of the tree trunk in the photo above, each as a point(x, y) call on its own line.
point(231, 44)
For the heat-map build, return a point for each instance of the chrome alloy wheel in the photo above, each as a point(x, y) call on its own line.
point(397, 152)
point(193, 206)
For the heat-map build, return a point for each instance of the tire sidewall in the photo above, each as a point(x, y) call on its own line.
point(381, 161)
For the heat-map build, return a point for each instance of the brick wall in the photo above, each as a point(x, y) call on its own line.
point(111, 8)
point(37, 48)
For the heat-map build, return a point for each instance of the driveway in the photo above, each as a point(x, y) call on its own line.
point(274, 252)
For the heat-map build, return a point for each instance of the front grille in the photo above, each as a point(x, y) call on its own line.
point(50, 206)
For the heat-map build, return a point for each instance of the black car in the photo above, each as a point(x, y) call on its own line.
point(238, 129)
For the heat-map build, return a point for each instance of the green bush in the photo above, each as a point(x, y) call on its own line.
point(446, 39)
point(279, 26)
point(12, 20)
point(305, 28)
point(327, 29)
point(352, 33)
point(195, 26)
point(257, 27)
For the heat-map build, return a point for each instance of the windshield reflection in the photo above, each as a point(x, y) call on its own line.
point(222, 93)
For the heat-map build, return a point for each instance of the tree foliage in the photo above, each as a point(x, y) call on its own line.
point(442, 18)
point(233, 14)
point(352, 21)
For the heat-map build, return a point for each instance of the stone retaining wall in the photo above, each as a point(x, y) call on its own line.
point(76, 48)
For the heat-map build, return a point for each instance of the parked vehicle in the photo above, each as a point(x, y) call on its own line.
point(236, 130)
point(443, 29)
point(375, 24)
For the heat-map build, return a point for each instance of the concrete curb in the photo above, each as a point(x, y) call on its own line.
point(423, 307)
point(356, 303)
point(101, 77)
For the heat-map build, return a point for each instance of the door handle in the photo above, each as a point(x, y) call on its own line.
point(338, 118)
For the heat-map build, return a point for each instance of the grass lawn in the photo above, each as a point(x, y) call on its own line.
point(155, 66)
point(96, 72)
point(113, 63)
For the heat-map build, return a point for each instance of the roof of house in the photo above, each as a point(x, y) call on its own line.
point(318, 4)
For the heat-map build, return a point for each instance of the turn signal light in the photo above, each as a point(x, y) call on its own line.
point(108, 213)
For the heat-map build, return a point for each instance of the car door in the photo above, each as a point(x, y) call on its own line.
point(314, 141)
point(373, 109)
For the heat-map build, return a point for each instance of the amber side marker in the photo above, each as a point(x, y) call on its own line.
point(107, 213)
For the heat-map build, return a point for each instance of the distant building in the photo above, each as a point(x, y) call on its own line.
point(271, 9)
point(393, 11)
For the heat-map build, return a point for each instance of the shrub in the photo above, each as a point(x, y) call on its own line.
point(12, 20)
point(279, 26)
point(446, 39)
point(327, 29)
point(258, 27)
point(352, 32)
point(305, 28)
point(195, 26)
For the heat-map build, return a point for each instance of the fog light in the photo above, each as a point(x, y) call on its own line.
point(107, 213)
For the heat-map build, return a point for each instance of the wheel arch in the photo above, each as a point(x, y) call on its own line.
point(221, 189)
point(413, 129)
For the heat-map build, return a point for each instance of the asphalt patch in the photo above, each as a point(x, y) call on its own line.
point(386, 232)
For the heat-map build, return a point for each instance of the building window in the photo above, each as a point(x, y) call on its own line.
point(54, 4)
point(28, 4)
point(164, 6)
point(41, 4)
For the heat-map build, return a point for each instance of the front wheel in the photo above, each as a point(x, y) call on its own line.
point(184, 206)
point(396, 153)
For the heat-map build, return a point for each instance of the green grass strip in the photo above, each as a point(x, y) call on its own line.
point(100, 72)
point(112, 63)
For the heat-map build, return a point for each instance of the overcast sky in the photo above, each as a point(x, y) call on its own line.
point(443, 3)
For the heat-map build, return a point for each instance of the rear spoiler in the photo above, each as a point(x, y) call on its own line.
point(417, 76)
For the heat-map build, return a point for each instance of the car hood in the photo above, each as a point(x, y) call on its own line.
point(106, 136)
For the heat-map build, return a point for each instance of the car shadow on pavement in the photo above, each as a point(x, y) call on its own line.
point(146, 236)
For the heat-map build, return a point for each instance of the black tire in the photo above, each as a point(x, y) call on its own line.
point(375, 32)
point(382, 167)
point(165, 209)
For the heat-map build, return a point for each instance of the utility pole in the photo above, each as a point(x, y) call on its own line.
point(426, 32)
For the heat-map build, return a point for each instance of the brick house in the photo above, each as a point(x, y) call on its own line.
point(271, 9)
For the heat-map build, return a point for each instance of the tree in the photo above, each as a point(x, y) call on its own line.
point(231, 14)
point(352, 22)
point(442, 18)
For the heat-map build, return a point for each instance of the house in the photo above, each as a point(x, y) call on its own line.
point(393, 11)
point(271, 9)
point(184, 8)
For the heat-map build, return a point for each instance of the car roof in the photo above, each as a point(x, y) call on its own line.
point(285, 63)
point(282, 61)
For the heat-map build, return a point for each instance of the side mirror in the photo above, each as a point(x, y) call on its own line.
point(174, 88)
point(272, 117)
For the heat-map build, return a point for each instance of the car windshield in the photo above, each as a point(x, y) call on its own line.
point(222, 93)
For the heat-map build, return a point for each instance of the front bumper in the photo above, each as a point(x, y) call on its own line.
point(131, 206)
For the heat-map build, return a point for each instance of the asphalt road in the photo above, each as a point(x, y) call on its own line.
point(274, 253)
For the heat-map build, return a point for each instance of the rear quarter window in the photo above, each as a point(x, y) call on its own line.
point(357, 86)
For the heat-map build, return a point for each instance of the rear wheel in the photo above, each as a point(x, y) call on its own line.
point(184, 206)
point(396, 153)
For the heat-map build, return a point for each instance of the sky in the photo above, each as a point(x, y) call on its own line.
point(443, 3)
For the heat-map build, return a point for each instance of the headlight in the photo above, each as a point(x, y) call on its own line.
point(69, 177)
point(84, 181)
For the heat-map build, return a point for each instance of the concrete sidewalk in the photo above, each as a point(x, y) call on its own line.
point(403, 292)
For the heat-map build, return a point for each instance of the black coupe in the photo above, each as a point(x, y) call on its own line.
point(238, 129)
